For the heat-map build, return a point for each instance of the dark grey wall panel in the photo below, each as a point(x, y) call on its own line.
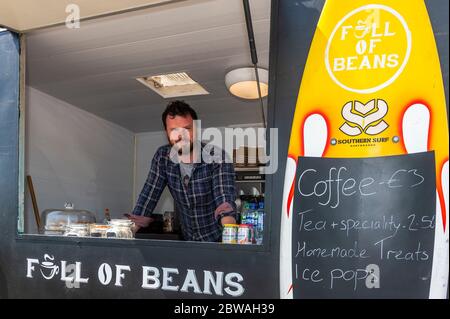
point(438, 11)
point(9, 121)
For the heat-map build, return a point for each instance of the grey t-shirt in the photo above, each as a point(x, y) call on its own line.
point(186, 172)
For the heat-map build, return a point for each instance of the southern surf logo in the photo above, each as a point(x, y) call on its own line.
point(364, 118)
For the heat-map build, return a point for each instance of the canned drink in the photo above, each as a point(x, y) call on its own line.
point(245, 234)
point(229, 233)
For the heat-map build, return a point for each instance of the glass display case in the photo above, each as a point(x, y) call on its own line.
point(57, 221)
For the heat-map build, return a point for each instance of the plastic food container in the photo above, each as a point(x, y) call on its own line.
point(99, 230)
point(120, 228)
point(77, 230)
point(245, 234)
point(229, 233)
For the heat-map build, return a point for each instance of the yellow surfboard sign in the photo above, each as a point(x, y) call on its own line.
point(372, 86)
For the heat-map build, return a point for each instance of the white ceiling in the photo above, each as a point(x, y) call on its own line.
point(25, 15)
point(94, 67)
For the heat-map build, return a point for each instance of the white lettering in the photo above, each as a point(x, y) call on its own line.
point(167, 279)
point(120, 275)
point(209, 281)
point(30, 267)
point(339, 64)
point(373, 45)
point(393, 60)
point(154, 277)
point(229, 281)
point(191, 282)
point(78, 277)
point(345, 29)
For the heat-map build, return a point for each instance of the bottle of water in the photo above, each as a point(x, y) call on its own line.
point(252, 218)
point(259, 232)
point(254, 214)
point(245, 213)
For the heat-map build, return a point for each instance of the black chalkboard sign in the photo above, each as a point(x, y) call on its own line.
point(364, 227)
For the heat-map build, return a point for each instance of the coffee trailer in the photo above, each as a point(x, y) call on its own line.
point(356, 211)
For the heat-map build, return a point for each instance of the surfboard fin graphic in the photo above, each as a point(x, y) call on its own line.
point(315, 139)
point(416, 127)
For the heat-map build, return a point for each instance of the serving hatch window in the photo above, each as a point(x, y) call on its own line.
point(97, 146)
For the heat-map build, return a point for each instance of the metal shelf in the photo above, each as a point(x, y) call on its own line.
point(247, 169)
point(250, 181)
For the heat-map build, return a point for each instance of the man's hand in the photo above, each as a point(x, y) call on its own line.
point(228, 220)
point(140, 221)
point(225, 208)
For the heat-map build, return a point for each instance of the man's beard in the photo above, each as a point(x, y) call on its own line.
point(186, 153)
point(185, 149)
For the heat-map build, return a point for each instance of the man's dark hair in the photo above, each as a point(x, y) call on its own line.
point(180, 108)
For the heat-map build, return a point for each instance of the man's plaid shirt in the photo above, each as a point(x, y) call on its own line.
point(210, 185)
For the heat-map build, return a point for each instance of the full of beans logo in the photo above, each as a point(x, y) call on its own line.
point(368, 49)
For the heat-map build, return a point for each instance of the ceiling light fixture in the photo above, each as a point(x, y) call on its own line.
point(242, 83)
